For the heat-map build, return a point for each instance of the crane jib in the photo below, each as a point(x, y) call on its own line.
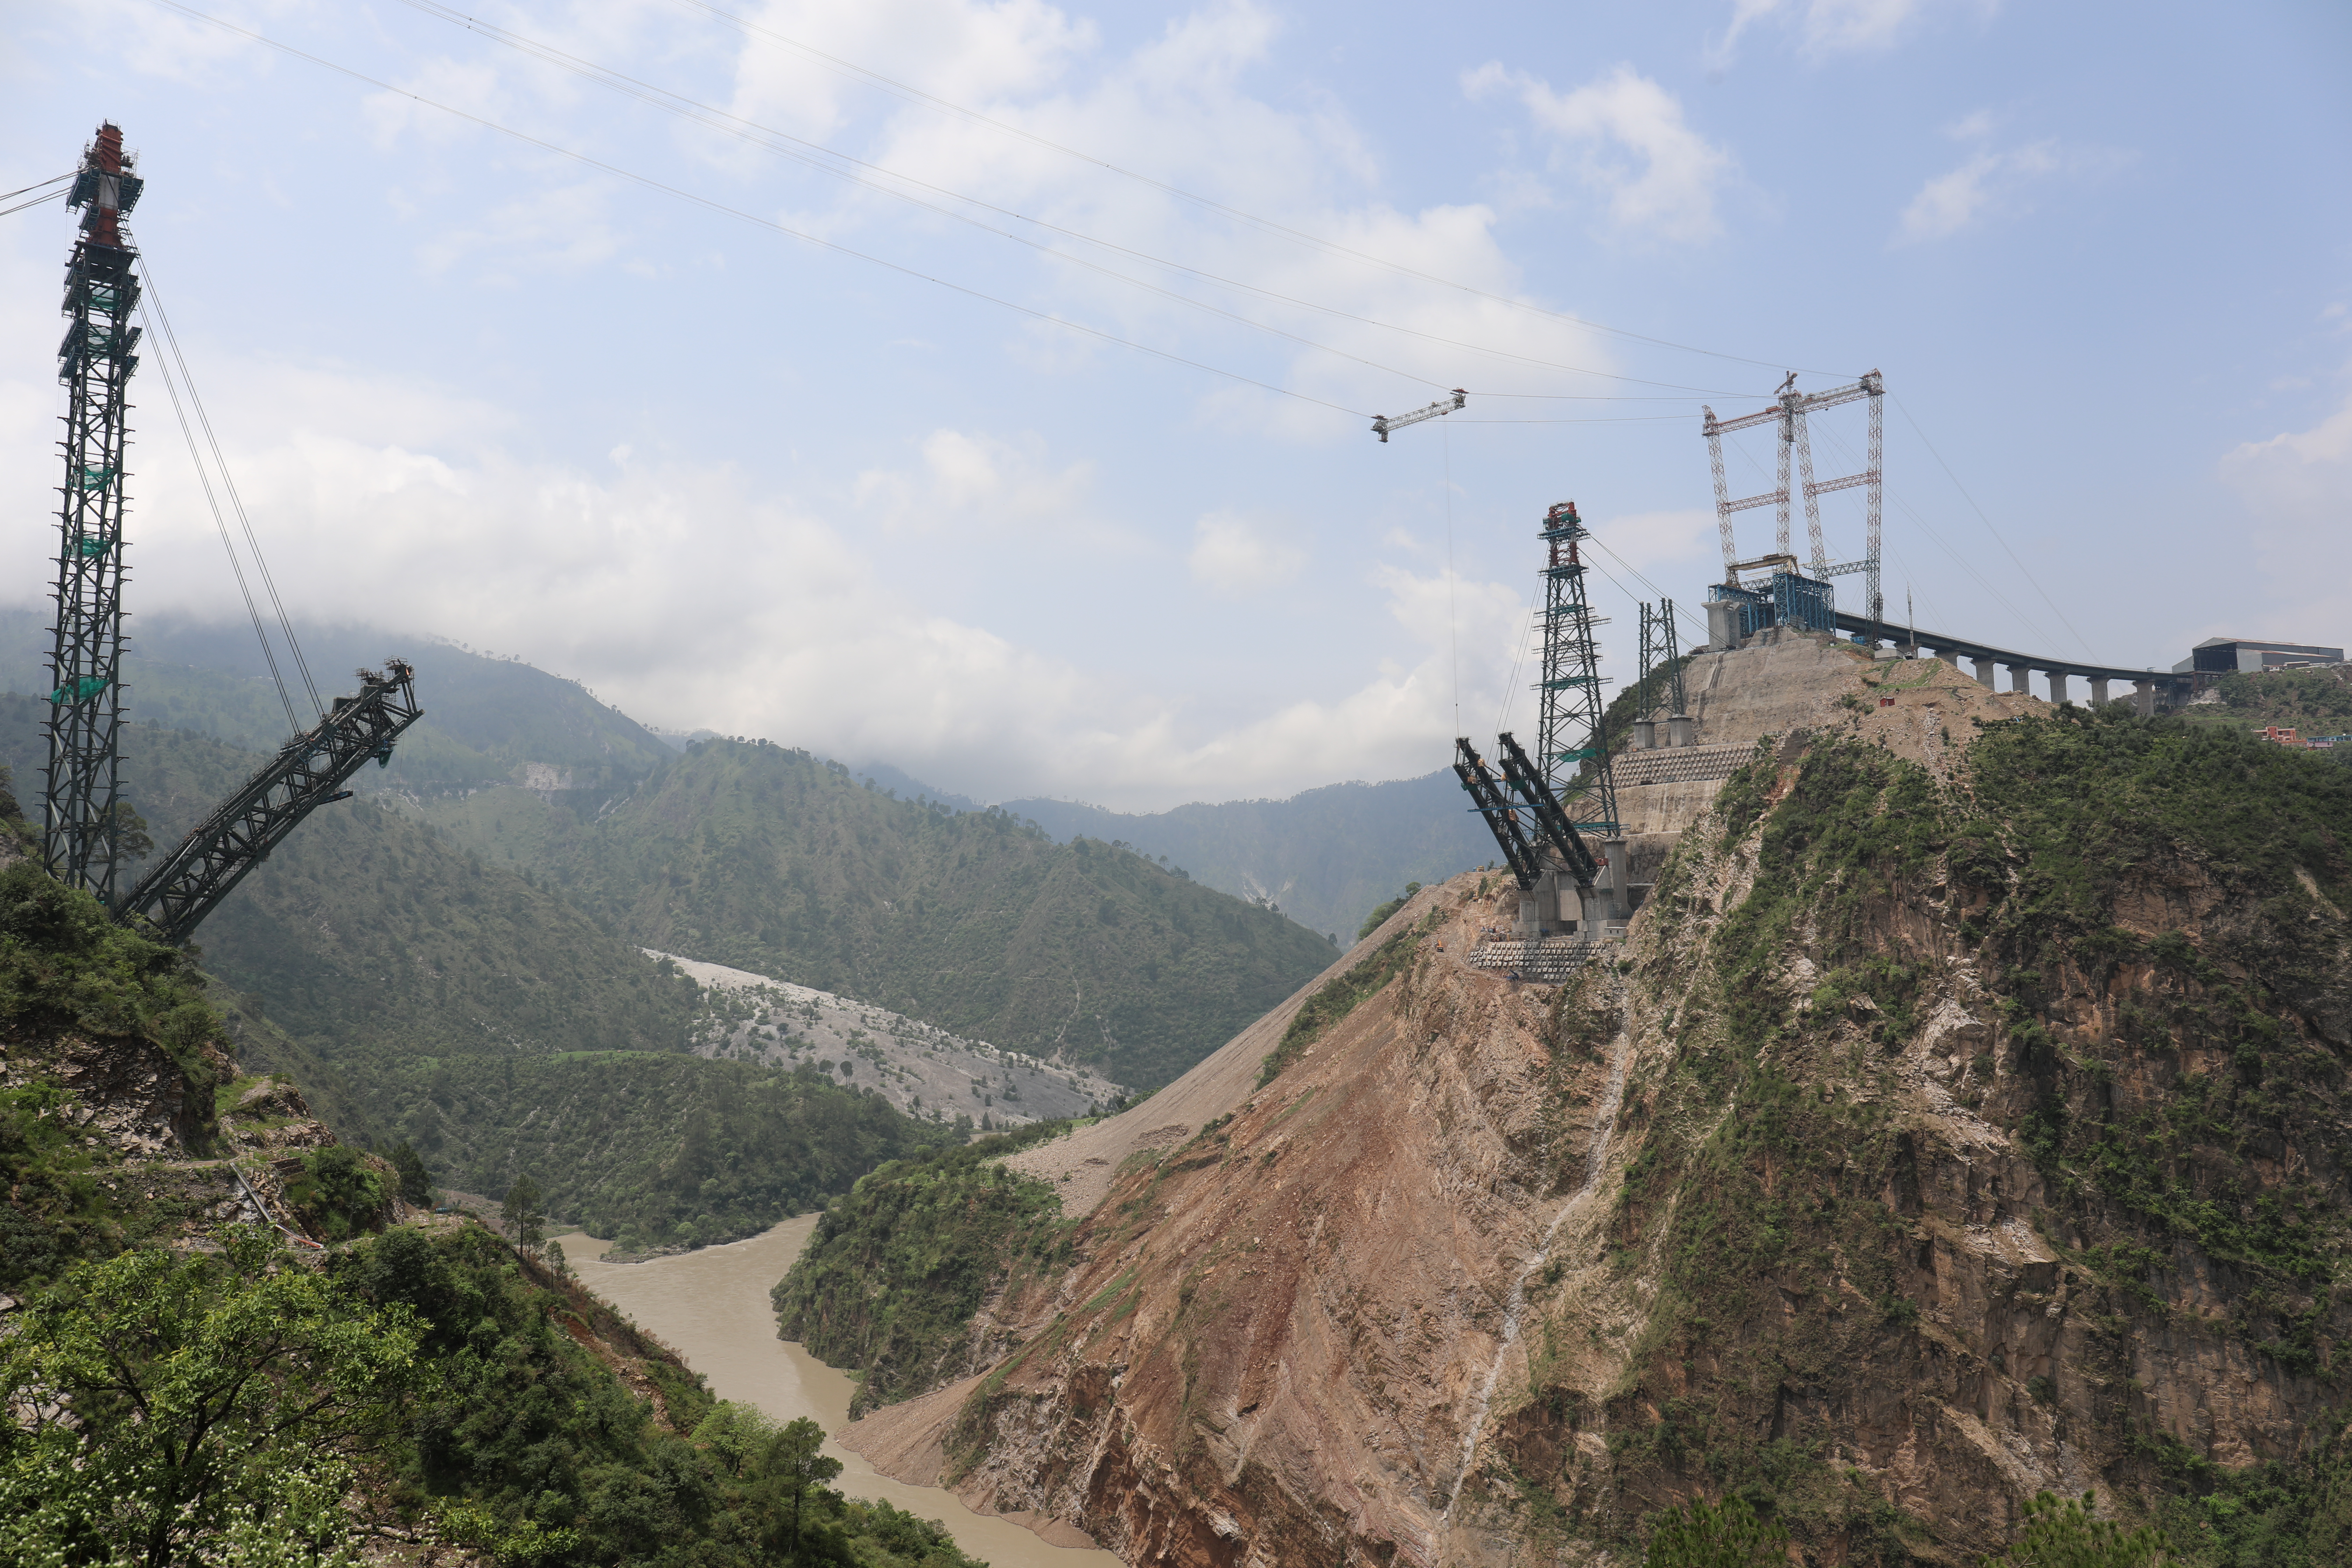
point(308, 771)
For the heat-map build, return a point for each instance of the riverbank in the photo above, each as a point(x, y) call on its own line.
point(711, 1307)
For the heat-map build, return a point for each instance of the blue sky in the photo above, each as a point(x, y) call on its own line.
point(512, 393)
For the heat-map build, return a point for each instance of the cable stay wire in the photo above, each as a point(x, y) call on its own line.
point(37, 201)
point(2005, 550)
point(917, 95)
point(152, 297)
point(1901, 504)
point(220, 522)
point(845, 167)
point(713, 205)
point(59, 180)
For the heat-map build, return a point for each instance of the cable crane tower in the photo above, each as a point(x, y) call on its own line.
point(83, 811)
point(1791, 411)
point(81, 783)
point(1548, 811)
point(1571, 748)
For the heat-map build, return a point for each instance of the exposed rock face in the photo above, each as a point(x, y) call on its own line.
point(1936, 1146)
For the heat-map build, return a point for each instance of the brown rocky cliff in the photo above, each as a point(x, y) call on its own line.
point(1893, 1229)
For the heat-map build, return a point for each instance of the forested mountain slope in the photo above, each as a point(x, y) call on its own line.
point(190, 1377)
point(485, 719)
point(1325, 857)
point(1953, 1130)
point(770, 860)
point(431, 998)
point(370, 937)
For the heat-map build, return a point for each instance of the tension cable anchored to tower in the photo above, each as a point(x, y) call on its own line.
point(83, 812)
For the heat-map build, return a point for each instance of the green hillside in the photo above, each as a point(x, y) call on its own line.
point(484, 717)
point(649, 1150)
point(1323, 857)
point(369, 937)
point(767, 858)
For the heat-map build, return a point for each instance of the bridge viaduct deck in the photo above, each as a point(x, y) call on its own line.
point(2148, 683)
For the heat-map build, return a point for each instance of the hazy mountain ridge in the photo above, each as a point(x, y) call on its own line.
point(770, 860)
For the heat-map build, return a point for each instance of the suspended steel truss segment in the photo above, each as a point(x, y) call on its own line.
point(1384, 423)
point(307, 774)
point(1501, 819)
point(1571, 747)
point(81, 805)
point(1789, 412)
point(1550, 820)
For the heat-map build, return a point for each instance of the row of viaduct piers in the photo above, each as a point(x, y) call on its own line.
point(2150, 688)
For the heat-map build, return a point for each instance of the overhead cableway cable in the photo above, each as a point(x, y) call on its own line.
point(712, 204)
point(203, 477)
point(844, 166)
point(917, 95)
point(2005, 550)
point(37, 201)
point(152, 304)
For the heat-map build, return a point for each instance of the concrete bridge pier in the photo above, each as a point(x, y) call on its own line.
point(1985, 677)
point(2144, 697)
point(1950, 656)
point(1645, 734)
point(2057, 686)
point(2098, 691)
point(2020, 676)
point(1680, 731)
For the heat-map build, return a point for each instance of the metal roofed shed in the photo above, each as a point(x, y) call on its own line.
point(2228, 656)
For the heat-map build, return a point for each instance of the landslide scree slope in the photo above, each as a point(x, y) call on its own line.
point(1943, 1140)
point(770, 860)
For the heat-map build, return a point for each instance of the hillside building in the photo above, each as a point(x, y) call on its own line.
point(2227, 656)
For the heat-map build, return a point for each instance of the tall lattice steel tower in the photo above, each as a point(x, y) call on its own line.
point(1790, 411)
point(81, 789)
point(1570, 747)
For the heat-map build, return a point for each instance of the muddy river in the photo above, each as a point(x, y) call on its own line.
point(711, 1307)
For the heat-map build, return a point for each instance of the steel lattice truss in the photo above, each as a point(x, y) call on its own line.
point(305, 773)
point(1790, 413)
point(1502, 818)
point(1661, 667)
point(1571, 751)
point(1536, 795)
point(81, 785)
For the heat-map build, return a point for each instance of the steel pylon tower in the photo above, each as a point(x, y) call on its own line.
point(1569, 734)
point(1788, 411)
point(1662, 672)
point(80, 788)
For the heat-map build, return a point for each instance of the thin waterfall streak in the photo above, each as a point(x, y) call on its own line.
point(1604, 1127)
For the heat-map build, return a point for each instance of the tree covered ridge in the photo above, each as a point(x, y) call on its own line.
point(891, 1280)
point(769, 859)
point(231, 1408)
point(650, 1151)
point(2152, 911)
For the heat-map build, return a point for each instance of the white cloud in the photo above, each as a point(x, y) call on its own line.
point(2297, 486)
point(1233, 556)
point(1628, 139)
point(1993, 182)
point(968, 484)
point(1827, 28)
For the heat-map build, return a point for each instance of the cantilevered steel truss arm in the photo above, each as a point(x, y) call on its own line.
point(1550, 820)
point(306, 773)
point(1495, 807)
